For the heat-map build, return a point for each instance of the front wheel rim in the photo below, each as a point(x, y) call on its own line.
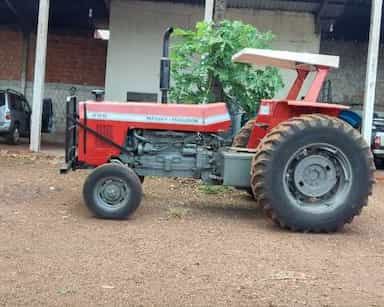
point(317, 177)
point(112, 193)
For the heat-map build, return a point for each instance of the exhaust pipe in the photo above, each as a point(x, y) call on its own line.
point(165, 67)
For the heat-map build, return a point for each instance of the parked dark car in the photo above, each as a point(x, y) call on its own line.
point(378, 139)
point(15, 116)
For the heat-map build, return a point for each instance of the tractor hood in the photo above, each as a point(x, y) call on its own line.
point(183, 117)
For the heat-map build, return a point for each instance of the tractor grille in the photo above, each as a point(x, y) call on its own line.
point(105, 130)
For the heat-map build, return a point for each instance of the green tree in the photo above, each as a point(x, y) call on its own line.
point(203, 71)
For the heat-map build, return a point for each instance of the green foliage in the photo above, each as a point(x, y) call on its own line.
point(201, 62)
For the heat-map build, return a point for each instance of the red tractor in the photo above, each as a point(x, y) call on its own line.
point(304, 162)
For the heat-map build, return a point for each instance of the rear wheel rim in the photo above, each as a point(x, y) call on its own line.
point(112, 193)
point(317, 178)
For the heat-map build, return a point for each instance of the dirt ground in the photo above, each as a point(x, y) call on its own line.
point(186, 245)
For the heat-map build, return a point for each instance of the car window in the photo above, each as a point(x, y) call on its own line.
point(19, 104)
point(2, 99)
point(26, 105)
point(12, 101)
point(15, 102)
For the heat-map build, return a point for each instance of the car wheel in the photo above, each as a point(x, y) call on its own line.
point(14, 136)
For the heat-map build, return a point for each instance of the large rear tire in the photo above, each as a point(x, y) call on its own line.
point(112, 191)
point(312, 173)
point(242, 138)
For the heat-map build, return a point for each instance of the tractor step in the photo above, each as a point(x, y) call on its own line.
point(236, 168)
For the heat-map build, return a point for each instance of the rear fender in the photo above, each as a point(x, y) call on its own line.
point(273, 112)
point(351, 118)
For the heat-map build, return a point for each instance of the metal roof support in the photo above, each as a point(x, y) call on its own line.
point(371, 74)
point(39, 77)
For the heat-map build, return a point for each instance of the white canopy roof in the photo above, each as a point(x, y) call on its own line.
point(285, 59)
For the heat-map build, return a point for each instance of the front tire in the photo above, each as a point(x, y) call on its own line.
point(312, 173)
point(112, 191)
point(14, 135)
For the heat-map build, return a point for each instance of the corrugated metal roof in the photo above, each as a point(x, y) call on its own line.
point(348, 19)
point(333, 8)
point(284, 5)
point(298, 6)
point(63, 13)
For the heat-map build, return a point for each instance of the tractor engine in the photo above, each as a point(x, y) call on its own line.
point(174, 153)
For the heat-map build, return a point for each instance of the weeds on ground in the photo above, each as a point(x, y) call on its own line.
point(213, 189)
point(66, 291)
point(178, 212)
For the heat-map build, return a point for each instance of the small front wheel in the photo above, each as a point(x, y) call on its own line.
point(112, 191)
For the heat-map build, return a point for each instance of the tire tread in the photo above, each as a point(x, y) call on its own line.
point(268, 146)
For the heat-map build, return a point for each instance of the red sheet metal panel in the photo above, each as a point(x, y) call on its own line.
point(114, 120)
point(200, 118)
point(273, 112)
point(321, 105)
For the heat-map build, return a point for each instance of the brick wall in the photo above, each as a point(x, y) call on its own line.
point(10, 55)
point(71, 59)
point(73, 62)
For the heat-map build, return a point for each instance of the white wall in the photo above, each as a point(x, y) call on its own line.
point(136, 35)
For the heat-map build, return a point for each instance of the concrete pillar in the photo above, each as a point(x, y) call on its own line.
point(371, 74)
point(39, 77)
point(208, 13)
